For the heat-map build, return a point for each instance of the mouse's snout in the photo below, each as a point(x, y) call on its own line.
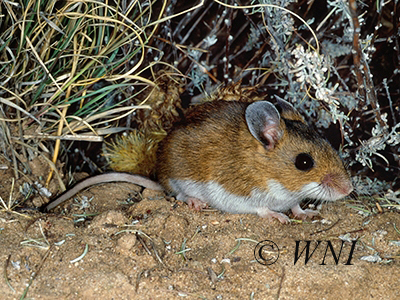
point(340, 184)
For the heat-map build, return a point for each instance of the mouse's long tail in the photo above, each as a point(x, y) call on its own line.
point(104, 178)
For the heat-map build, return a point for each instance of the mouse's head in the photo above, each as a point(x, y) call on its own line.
point(298, 160)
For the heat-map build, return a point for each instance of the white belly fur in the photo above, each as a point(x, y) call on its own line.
point(212, 193)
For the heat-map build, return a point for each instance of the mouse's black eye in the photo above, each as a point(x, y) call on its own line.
point(304, 162)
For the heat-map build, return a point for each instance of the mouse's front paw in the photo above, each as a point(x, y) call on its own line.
point(298, 212)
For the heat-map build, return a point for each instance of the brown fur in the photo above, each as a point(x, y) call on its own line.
point(214, 143)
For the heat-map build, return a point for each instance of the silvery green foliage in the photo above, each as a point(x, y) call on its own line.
point(254, 39)
point(195, 54)
point(393, 195)
point(198, 73)
point(210, 40)
point(83, 203)
point(199, 78)
point(379, 140)
point(310, 69)
point(366, 185)
point(336, 49)
point(277, 19)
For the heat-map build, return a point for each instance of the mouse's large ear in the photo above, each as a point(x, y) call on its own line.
point(287, 110)
point(263, 120)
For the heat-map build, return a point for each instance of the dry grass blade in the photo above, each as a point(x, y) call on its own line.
point(11, 204)
point(11, 104)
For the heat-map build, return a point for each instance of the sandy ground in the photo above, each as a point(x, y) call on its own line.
point(140, 245)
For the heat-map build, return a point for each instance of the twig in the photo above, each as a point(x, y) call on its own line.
point(228, 41)
point(5, 273)
point(66, 137)
point(278, 294)
point(7, 140)
point(326, 229)
point(34, 275)
point(361, 69)
point(396, 28)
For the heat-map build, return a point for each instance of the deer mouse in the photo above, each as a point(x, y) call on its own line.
point(242, 158)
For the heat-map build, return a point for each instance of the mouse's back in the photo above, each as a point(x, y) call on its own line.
point(206, 145)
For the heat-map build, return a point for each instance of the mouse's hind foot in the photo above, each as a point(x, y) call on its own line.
point(270, 214)
point(196, 204)
point(193, 202)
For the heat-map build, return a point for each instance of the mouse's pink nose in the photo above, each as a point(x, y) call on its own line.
point(341, 184)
